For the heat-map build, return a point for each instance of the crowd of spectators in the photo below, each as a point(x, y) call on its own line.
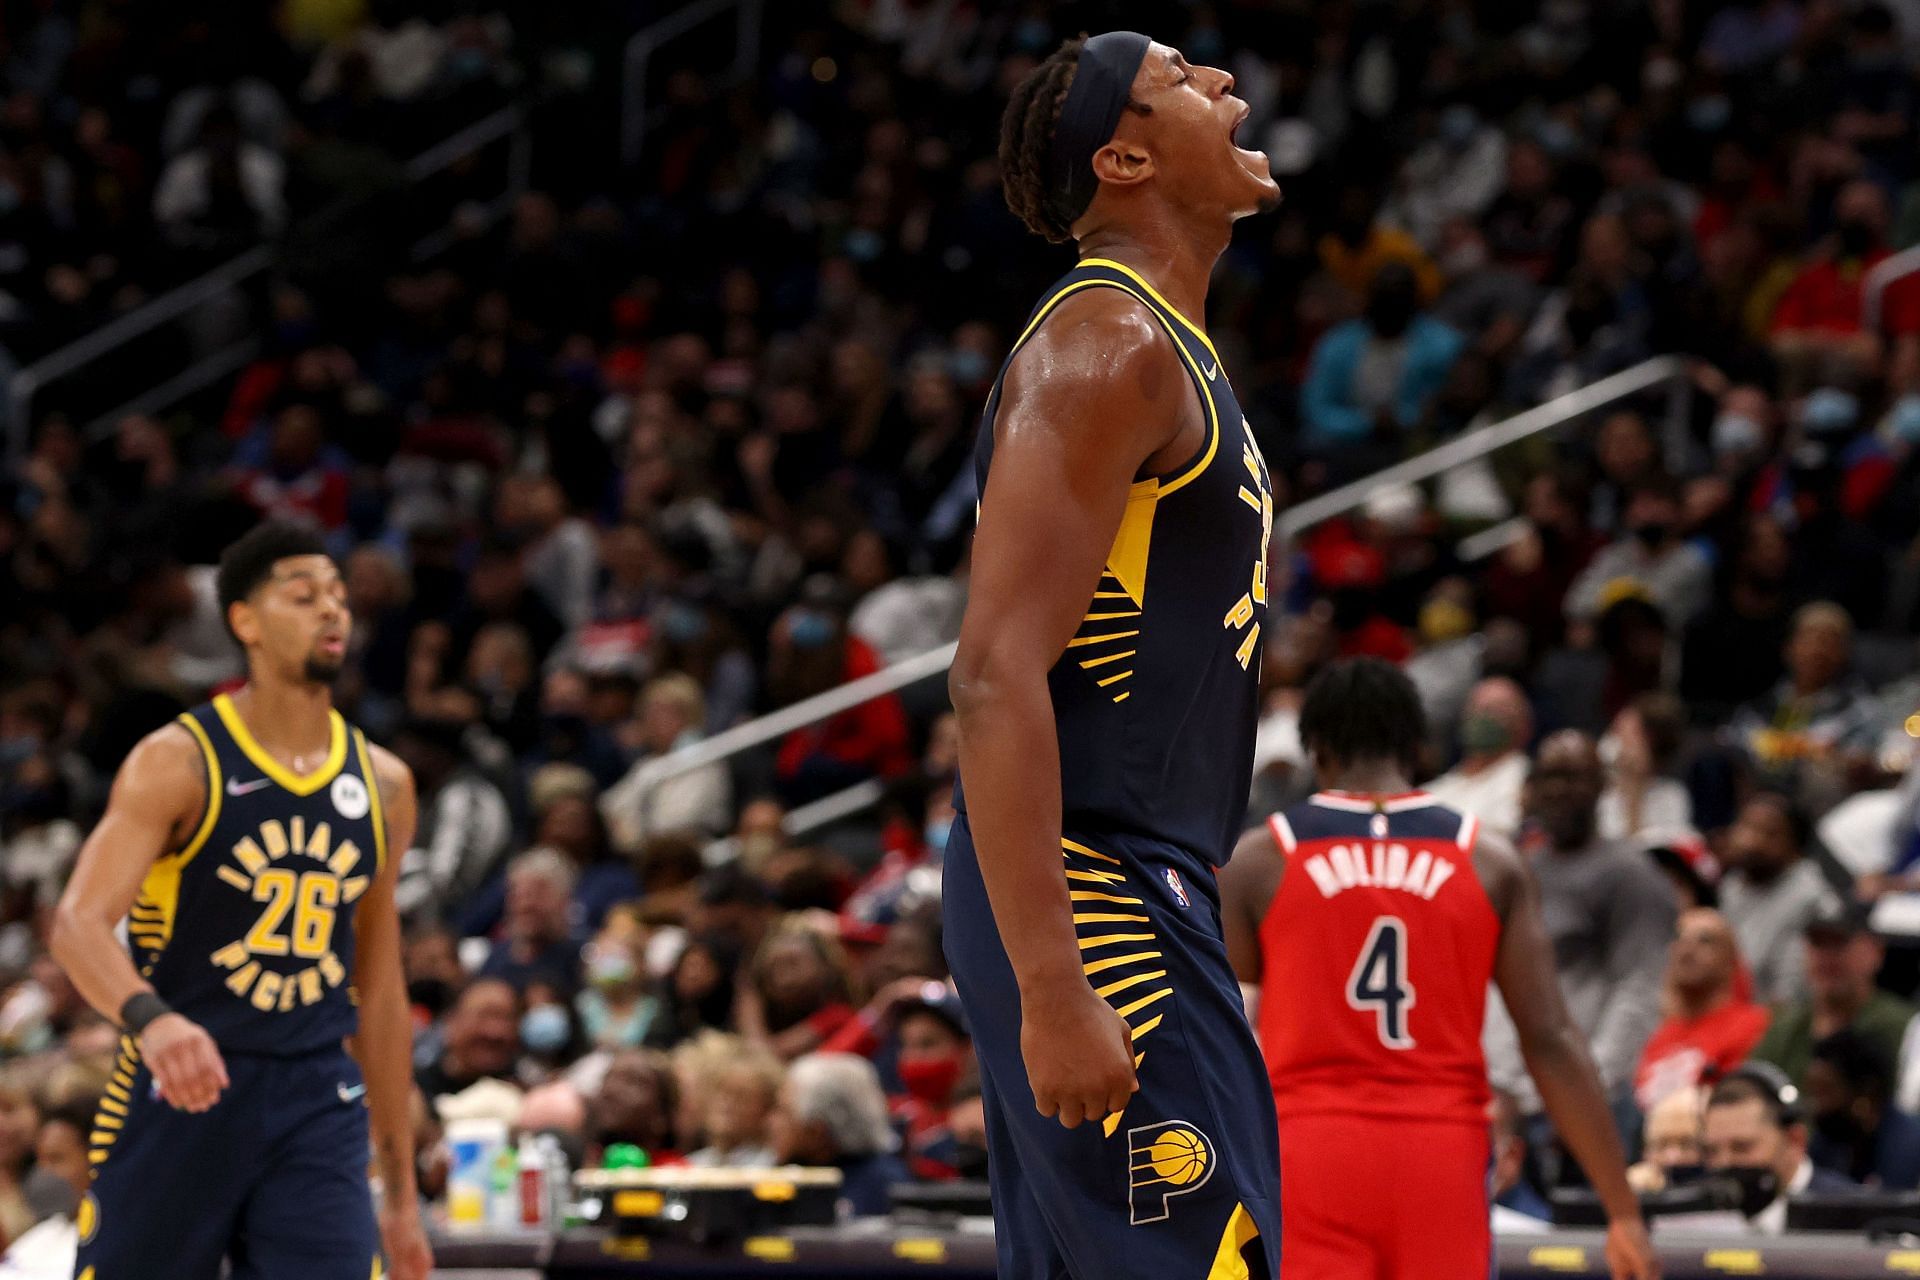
point(684, 441)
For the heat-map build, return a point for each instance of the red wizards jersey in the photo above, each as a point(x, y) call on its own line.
point(1377, 950)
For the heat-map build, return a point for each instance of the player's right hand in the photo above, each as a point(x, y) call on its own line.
point(1630, 1254)
point(185, 1062)
point(1078, 1051)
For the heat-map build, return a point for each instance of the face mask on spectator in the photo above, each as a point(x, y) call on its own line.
point(930, 1079)
point(1903, 420)
point(1759, 1187)
point(1737, 433)
point(430, 994)
point(1651, 534)
point(809, 629)
point(1857, 238)
point(610, 968)
point(1830, 412)
point(967, 367)
point(1709, 114)
point(544, 1029)
point(1484, 735)
point(936, 833)
point(684, 624)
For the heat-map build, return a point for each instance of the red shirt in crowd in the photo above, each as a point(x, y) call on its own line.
point(1685, 1050)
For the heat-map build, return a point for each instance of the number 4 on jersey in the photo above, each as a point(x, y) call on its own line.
point(1379, 981)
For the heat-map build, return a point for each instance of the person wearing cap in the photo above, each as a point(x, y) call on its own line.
point(1843, 957)
point(936, 1057)
point(1106, 686)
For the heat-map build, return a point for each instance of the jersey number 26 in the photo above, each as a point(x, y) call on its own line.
point(1379, 982)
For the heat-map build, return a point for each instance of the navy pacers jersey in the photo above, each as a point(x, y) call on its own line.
point(1156, 696)
point(248, 930)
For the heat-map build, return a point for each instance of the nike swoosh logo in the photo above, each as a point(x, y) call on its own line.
point(351, 1095)
point(235, 787)
point(1212, 372)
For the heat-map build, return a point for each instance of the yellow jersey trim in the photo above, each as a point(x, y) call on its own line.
point(373, 801)
point(214, 783)
point(1154, 293)
point(299, 784)
point(1229, 1259)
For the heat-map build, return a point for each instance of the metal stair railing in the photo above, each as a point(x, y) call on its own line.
point(1668, 372)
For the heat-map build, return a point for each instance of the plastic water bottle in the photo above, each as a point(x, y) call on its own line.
point(503, 1202)
point(559, 1179)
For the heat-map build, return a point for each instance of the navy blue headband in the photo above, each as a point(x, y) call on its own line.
point(1102, 85)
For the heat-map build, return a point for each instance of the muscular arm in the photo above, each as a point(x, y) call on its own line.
point(158, 795)
point(1247, 885)
point(1551, 1042)
point(157, 801)
point(384, 1044)
point(1095, 398)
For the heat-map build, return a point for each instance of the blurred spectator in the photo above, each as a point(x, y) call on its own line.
point(936, 1055)
point(1518, 1207)
point(739, 1106)
point(1653, 557)
point(1818, 332)
point(644, 802)
point(616, 1010)
point(19, 1123)
point(1843, 956)
point(481, 1040)
point(540, 936)
point(1732, 652)
point(1819, 717)
point(1642, 748)
point(1371, 378)
point(810, 652)
point(1607, 911)
point(636, 1102)
point(831, 1113)
point(1456, 175)
point(699, 991)
point(1495, 729)
point(1770, 891)
point(1710, 1027)
point(800, 990)
point(1671, 1142)
point(1360, 246)
point(1747, 1133)
point(465, 824)
point(223, 194)
point(1857, 1132)
point(61, 1147)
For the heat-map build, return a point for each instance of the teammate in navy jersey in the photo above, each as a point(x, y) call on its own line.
point(1372, 918)
point(1106, 687)
point(251, 846)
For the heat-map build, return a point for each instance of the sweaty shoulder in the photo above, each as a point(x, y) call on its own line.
point(1100, 363)
point(1501, 870)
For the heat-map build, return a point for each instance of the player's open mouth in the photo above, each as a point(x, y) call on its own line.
point(1254, 160)
point(333, 646)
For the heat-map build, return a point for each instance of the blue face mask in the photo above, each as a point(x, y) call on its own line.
point(863, 245)
point(684, 624)
point(544, 1029)
point(1709, 115)
point(967, 367)
point(936, 834)
point(1737, 433)
point(1903, 422)
point(809, 629)
point(1830, 411)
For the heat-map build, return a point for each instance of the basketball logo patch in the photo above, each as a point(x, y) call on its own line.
point(350, 797)
point(1164, 1160)
point(1179, 890)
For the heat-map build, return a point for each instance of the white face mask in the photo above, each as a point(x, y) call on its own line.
point(1737, 433)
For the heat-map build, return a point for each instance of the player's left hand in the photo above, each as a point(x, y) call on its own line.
point(1630, 1254)
point(408, 1257)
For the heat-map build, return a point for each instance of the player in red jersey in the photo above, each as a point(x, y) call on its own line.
point(1375, 916)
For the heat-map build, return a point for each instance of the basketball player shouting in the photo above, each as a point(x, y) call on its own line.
point(1105, 685)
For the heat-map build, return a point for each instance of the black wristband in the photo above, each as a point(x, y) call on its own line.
point(141, 1008)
